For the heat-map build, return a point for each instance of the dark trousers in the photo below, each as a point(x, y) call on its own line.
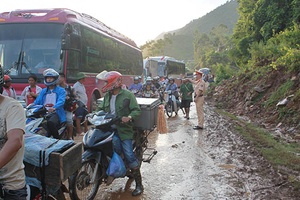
point(53, 124)
point(20, 194)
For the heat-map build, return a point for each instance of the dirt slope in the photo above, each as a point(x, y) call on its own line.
point(254, 97)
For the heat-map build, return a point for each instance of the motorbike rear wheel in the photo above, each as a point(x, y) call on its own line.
point(169, 108)
point(80, 184)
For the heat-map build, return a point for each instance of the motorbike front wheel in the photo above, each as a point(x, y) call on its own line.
point(169, 108)
point(81, 185)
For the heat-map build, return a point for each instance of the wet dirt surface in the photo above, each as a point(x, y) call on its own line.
point(213, 163)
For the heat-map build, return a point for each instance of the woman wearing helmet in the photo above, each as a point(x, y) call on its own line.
point(53, 98)
point(8, 90)
point(122, 103)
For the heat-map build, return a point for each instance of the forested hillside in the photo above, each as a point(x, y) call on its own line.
point(180, 43)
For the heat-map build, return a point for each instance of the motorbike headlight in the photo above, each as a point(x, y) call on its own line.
point(98, 120)
point(103, 121)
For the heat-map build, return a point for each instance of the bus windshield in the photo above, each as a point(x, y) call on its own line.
point(29, 48)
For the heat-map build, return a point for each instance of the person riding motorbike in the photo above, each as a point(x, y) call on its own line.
point(173, 87)
point(113, 103)
point(136, 87)
point(149, 90)
point(53, 98)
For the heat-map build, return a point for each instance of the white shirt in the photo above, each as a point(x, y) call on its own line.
point(80, 92)
point(113, 104)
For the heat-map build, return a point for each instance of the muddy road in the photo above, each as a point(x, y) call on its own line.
point(213, 163)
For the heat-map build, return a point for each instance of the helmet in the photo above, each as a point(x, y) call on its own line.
point(7, 78)
point(171, 79)
point(50, 73)
point(149, 78)
point(156, 78)
point(136, 78)
point(113, 79)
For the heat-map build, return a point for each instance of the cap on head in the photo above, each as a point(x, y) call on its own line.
point(80, 75)
point(7, 78)
point(198, 72)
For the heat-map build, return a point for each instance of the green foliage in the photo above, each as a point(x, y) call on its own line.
point(181, 44)
point(280, 50)
point(259, 22)
point(223, 72)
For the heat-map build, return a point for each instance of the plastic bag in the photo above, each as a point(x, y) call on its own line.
point(116, 167)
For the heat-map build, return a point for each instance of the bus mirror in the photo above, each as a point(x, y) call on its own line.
point(68, 29)
point(65, 41)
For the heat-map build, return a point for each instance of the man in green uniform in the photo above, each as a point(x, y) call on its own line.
point(186, 91)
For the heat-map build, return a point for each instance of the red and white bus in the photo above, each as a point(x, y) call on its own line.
point(76, 42)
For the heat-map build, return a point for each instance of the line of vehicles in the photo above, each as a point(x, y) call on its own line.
point(70, 42)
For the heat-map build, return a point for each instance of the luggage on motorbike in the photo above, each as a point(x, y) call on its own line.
point(116, 167)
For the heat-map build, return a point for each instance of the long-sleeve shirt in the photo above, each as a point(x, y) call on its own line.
point(60, 101)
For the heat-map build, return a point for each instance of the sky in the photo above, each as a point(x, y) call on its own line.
point(140, 20)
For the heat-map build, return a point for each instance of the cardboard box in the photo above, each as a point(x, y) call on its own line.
point(148, 119)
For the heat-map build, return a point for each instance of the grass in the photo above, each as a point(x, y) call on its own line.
point(278, 153)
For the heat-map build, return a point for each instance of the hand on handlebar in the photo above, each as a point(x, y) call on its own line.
point(126, 119)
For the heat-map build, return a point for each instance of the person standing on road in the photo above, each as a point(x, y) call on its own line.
point(70, 104)
point(123, 103)
point(31, 91)
point(8, 90)
point(186, 90)
point(81, 97)
point(199, 89)
point(12, 126)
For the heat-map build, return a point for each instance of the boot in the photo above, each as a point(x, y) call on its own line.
point(138, 182)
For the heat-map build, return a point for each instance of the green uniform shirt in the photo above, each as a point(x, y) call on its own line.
point(185, 88)
point(125, 130)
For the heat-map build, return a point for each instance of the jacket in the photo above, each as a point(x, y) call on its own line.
point(125, 130)
point(60, 101)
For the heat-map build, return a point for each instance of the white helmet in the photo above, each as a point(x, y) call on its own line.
point(50, 73)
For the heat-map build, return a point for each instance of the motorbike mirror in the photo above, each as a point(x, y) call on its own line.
point(109, 116)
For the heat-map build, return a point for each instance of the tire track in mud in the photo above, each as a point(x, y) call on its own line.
point(252, 177)
point(240, 171)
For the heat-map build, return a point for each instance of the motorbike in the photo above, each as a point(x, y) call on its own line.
point(135, 92)
point(98, 151)
point(171, 103)
point(36, 118)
